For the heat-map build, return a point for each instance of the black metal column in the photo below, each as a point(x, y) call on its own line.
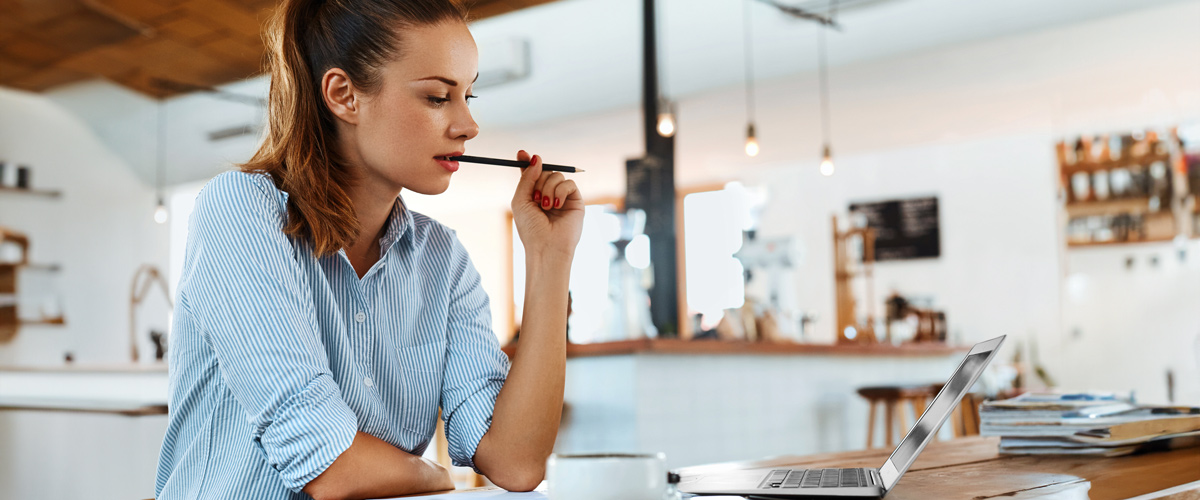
point(650, 186)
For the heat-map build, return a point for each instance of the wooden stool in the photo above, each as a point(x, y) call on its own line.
point(966, 415)
point(893, 399)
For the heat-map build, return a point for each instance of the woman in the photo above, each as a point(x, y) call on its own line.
point(321, 324)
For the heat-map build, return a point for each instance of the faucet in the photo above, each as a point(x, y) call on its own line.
point(144, 277)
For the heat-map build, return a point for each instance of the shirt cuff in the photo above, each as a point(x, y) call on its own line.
point(467, 424)
point(309, 432)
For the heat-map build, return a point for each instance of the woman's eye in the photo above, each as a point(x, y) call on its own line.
point(440, 101)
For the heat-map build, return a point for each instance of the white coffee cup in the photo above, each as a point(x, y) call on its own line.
point(607, 476)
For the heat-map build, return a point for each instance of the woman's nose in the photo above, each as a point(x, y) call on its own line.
point(464, 126)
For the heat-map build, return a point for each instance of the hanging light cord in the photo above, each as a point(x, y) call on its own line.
point(660, 46)
point(749, 65)
point(823, 78)
point(162, 150)
point(823, 75)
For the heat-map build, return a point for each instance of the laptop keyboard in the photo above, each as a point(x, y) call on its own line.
point(815, 478)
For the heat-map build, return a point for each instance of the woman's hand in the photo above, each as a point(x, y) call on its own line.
point(547, 209)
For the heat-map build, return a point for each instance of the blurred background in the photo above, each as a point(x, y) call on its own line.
point(790, 203)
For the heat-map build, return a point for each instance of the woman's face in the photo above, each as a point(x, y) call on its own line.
point(419, 112)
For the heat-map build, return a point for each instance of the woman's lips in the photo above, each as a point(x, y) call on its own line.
point(451, 166)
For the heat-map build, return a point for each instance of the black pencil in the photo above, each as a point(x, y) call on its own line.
point(514, 163)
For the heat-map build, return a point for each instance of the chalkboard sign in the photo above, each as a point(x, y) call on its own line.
point(904, 229)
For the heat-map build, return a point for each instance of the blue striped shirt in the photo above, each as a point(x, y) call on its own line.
point(278, 357)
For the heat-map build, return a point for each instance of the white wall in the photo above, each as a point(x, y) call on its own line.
point(100, 230)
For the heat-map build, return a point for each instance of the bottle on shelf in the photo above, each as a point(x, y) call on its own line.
point(1100, 184)
point(1081, 187)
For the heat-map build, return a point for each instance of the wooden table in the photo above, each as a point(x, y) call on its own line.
point(699, 347)
point(971, 468)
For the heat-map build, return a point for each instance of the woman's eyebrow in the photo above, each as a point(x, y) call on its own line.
point(448, 81)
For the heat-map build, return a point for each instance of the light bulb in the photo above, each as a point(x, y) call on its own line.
point(827, 167)
point(751, 147)
point(827, 162)
point(751, 141)
point(160, 213)
point(666, 124)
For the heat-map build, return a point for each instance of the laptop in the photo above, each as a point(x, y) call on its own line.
point(853, 483)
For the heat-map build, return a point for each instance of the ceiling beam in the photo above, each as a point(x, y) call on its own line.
point(46, 43)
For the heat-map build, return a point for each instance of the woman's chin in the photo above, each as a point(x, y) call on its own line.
point(431, 188)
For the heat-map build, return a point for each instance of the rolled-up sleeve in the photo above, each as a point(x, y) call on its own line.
point(243, 286)
point(476, 368)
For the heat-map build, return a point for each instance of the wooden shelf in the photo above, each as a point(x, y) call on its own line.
point(34, 192)
point(59, 321)
point(41, 267)
point(1110, 243)
point(1115, 207)
point(1073, 168)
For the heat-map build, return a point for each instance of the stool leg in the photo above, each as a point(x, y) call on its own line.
point(957, 416)
point(902, 413)
point(889, 412)
point(971, 416)
point(871, 425)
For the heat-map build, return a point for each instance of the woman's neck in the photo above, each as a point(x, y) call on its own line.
point(372, 206)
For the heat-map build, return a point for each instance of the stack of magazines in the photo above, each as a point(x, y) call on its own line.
point(1086, 424)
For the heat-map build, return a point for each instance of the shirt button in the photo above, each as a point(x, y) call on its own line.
point(367, 382)
point(360, 317)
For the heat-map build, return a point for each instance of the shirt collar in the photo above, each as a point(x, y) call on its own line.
point(399, 223)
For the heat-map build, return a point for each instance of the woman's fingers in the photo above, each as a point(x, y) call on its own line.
point(529, 177)
point(563, 192)
point(548, 189)
point(539, 187)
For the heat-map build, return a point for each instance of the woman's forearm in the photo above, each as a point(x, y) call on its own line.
point(525, 421)
point(373, 468)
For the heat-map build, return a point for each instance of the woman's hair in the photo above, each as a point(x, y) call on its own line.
point(305, 38)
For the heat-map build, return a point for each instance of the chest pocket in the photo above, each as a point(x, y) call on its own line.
point(422, 367)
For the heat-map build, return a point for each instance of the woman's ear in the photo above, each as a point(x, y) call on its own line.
point(338, 93)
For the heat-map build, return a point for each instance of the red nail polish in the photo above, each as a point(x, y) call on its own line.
point(537, 196)
point(557, 203)
point(546, 202)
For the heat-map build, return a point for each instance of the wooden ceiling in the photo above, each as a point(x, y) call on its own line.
point(44, 43)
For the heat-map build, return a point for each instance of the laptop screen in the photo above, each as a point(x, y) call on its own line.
point(933, 418)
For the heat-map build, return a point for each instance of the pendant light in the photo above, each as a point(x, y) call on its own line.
point(666, 118)
point(751, 138)
point(666, 108)
point(160, 211)
point(823, 75)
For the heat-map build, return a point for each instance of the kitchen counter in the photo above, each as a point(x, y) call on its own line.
point(118, 389)
point(89, 368)
point(113, 407)
point(754, 399)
